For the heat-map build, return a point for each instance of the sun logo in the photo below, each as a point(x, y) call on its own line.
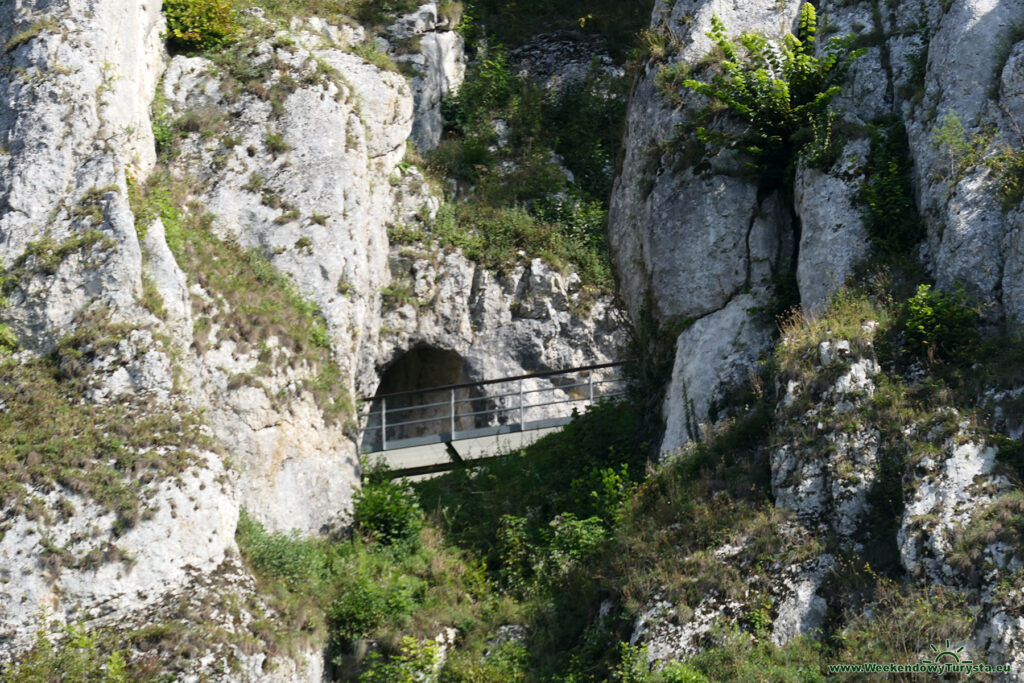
point(955, 654)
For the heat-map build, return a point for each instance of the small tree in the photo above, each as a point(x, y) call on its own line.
point(780, 90)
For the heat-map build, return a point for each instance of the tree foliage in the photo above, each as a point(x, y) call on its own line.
point(779, 89)
point(198, 24)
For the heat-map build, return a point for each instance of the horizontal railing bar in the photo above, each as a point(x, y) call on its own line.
point(412, 442)
point(490, 411)
point(464, 385)
point(490, 397)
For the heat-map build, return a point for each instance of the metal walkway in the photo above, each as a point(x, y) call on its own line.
point(434, 430)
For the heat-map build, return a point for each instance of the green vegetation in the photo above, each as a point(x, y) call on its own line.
point(962, 153)
point(779, 92)
point(387, 512)
point(502, 136)
point(79, 658)
point(22, 37)
point(513, 22)
point(890, 212)
point(497, 238)
point(941, 324)
point(1008, 168)
point(199, 24)
point(111, 454)
point(254, 302)
point(366, 12)
point(405, 583)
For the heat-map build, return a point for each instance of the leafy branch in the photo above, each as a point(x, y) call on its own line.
point(780, 89)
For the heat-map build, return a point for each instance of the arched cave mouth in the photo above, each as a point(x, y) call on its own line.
point(424, 367)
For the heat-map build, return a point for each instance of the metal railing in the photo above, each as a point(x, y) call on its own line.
point(477, 409)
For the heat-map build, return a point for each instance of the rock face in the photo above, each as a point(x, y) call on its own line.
point(529, 320)
point(191, 529)
point(72, 126)
point(704, 366)
point(827, 481)
point(696, 245)
point(319, 205)
point(687, 236)
point(562, 60)
point(832, 238)
point(439, 65)
point(689, 239)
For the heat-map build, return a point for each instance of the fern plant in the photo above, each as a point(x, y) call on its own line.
point(779, 89)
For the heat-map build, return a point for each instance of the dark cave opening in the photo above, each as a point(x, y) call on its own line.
point(424, 413)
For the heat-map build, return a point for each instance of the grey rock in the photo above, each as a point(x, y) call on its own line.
point(439, 64)
point(715, 352)
point(562, 60)
point(832, 238)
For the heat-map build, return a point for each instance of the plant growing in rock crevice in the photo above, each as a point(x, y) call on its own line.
point(778, 90)
point(890, 212)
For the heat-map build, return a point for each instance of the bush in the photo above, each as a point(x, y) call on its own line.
point(940, 325)
point(634, 669)
point(199, 24)
point(779, 90)
point(297, 561)
point(415, 662)
point(493, 237)
point(78, 657)
point(366, 602)
point(387, 511)
point(1008, 169)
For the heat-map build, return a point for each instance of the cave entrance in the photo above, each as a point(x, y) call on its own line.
point(424, 413)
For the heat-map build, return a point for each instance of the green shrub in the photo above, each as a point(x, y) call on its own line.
point(414, 662)
point(779, 91)
point(1008, 168)
point(493, 237)
point(77, 659)
point(199, 24)
point(941, 325)
point(363, 604)
point(387, 511)
point(505, 663)
point(962, 152)
point(739, 657)
point(633, 668)
point(550, 503)
point(295, 560)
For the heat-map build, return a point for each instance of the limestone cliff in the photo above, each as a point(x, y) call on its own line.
point(704, 247)
point(209, 256)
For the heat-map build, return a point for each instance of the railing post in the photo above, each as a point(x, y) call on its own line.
point(383, 424)
point(522, 409)
point(452, 436)
point(590, 380)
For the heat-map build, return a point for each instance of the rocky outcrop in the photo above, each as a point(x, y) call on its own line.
point(680, 227)
point(690, 238)
point(86, 567)
point(825, 476)
point(832, 237)
point(73, 127)
point(704, 366)
point(562, 60)
point(437, 61)
point(530, 319)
